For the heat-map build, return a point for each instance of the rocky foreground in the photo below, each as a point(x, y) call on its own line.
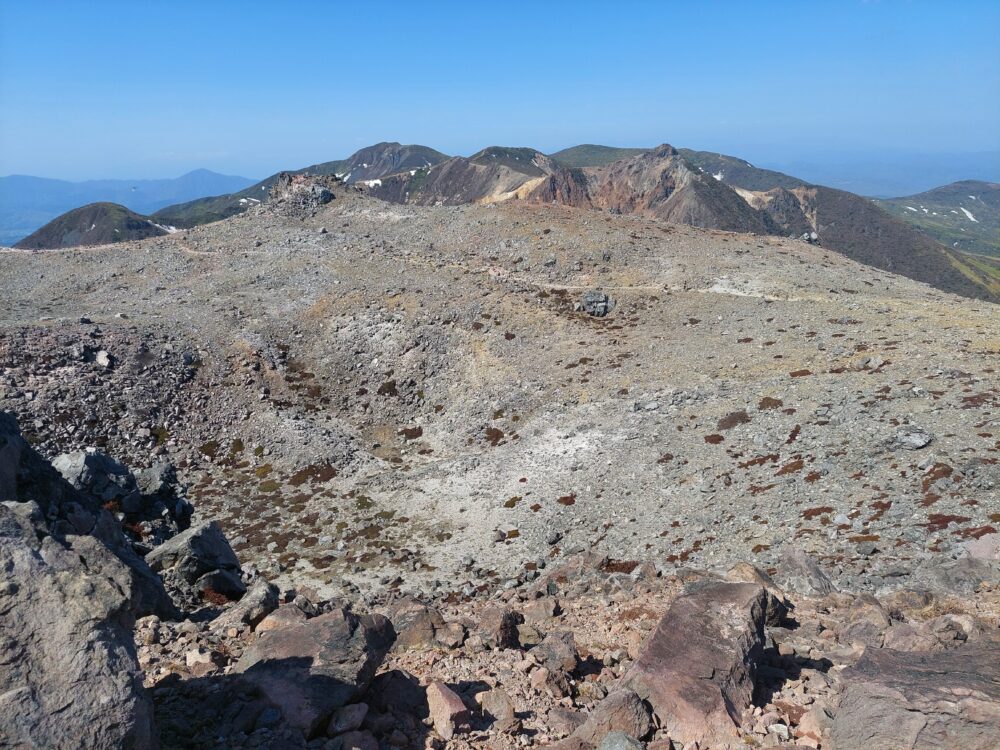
point(108, 642)
point(341, 474)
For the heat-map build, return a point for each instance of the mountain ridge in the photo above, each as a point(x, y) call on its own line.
point(697, 188)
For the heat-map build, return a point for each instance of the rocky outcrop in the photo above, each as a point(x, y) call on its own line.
point(149, 504)
point(920, 701)
point(199, 564)
point(698, 667)
point(67, 661)
point(308, 670)
point(25, 477)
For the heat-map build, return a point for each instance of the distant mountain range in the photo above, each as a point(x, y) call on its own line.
point(26, 203)
point(698, 188)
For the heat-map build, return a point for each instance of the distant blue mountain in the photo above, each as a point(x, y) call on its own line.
point(27, 203)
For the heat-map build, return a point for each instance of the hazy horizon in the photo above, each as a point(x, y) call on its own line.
point(129, 92)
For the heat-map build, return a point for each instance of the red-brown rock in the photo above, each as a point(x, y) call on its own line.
point(697, 668)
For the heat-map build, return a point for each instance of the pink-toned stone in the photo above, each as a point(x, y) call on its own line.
point(447, 710)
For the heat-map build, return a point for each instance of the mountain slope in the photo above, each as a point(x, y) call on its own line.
point(853, 225)
point(739, 173)
point(26, 203)
point(93, 224)
point(964, 215)
point(662, 183)
point(370, 163)
point(494, 174)
point(593, 155)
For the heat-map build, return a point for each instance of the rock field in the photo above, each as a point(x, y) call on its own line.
point(502, 476)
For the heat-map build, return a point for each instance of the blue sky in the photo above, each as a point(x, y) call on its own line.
point(153, 89)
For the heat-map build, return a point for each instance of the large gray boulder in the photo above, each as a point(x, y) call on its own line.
point(68, 667)
point(311, 669)
point(100, 476)
point(198, 564)
point(921, 700)
point(25, 477)
point(194, 552)
point(697, 669)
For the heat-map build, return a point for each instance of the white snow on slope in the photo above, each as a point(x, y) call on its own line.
point(968, 213)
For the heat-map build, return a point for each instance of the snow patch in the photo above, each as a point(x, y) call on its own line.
point(911, 208)
point(373, 183)
point(968, 213)
point(718, 176)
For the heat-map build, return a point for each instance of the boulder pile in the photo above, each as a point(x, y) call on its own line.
point(109, 641)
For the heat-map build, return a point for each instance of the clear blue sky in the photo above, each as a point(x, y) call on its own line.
point(153, 89)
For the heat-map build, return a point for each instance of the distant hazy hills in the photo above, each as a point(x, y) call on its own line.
point(698, 188)
point(26, 203)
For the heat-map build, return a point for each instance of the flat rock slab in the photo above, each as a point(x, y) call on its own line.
point(310, 669)
point(697, 668)
point(921, 700)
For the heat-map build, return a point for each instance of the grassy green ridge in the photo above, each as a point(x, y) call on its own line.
point(941, 214)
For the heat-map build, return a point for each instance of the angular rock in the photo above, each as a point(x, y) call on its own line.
point(802, 575)
point(619, 741)
point(697, 669)
point(498, 627)
point(283, 616)
point(961, 576)
point(919, 701)
point(986, 547)
point(416, 624)
point(744, 572)
point(496, 704)
point(68, 667)
point(541, 610)
point(101, 477)
point(310, 669)
point(622, 710)
point(596, 303)
point(557, 651)
point(192, 553)
point(259, 601)
point(447, 710)
point(25, 478)
point(913, 438)
point(347, 718)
